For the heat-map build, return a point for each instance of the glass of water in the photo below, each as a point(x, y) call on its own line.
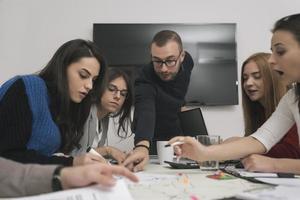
point(207, 140)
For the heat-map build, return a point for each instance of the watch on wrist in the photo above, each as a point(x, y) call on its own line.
point(142, 145)
point(56, 179)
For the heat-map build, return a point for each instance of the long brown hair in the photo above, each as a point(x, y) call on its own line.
point(69, 116)
point(124, 114)
point(255, 114)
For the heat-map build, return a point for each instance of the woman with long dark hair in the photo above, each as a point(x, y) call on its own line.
point(45, 113)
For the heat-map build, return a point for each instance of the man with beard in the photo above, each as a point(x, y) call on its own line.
point(160, 89)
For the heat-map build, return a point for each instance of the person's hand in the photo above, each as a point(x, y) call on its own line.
point(113, 152)
point(72, 177)
point(137, 159)
point(190, 148)
point(87, 158)
point(259, 163)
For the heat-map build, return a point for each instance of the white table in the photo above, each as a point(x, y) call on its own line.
point(190, 184)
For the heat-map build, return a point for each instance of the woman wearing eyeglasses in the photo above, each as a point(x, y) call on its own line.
point(115, 102)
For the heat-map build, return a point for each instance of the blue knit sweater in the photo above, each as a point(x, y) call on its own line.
point(45, 135)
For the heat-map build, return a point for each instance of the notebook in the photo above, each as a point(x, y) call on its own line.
point(192, 122)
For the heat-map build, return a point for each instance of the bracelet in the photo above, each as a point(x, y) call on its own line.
point(141, 145)
point(56, 179)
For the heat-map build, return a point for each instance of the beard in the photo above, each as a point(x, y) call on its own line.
point(168, 76)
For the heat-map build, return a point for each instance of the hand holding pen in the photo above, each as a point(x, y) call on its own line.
point(93, 152)
point(174, 145)
point(187, 147)
point(87, 158)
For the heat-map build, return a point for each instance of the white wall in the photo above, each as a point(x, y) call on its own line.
point(31, 30)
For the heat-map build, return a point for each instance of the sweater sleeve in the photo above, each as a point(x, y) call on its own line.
point(15, 126)
point(20, 180)
point(144, 113)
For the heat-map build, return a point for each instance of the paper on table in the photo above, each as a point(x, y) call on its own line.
point(119, 191)
point(279, 192)
point(282, 181)
point(149, 178)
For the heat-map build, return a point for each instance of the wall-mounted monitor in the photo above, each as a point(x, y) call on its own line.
point(212, 46)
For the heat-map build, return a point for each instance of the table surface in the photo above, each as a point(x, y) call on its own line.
point(190, 184)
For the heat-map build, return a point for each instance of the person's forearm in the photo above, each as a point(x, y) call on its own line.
point(143, 144)
point(287, 165)
point(231, 139)
point(235, 149)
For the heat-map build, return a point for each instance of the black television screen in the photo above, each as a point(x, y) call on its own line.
point(212, 46)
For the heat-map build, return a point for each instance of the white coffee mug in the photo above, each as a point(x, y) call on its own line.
point(164, 153)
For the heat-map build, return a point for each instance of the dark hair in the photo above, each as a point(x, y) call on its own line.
point(291, 24)
point(124, 113)
point(255, 114)
point(161, 38)
point(69, 116)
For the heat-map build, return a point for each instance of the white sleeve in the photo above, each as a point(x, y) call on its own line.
point(279, 123)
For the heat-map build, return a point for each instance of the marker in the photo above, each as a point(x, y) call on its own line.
point(174, 144)
point(285, 175)
point(94, 152)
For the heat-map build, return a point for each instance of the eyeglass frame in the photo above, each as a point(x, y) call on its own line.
point(165, 62)
point(114, 90)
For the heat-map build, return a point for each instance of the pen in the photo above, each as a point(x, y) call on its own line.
point(173, 144)
point(94, 152)
point(285, 175)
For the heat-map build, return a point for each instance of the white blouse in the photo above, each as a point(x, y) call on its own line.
point(283, 118)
